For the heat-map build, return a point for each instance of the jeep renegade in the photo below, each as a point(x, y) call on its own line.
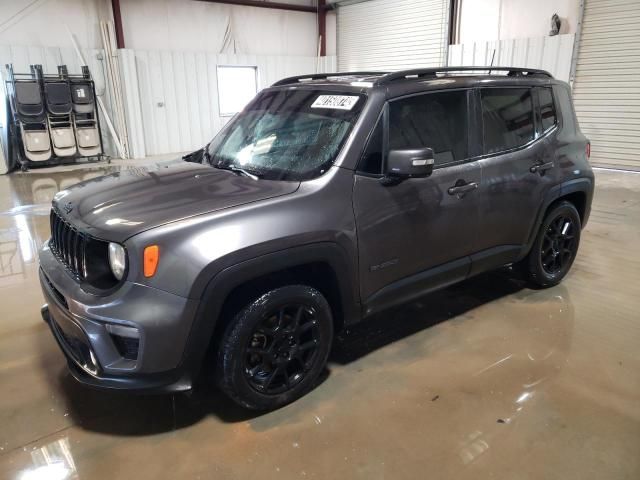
point(329, 198)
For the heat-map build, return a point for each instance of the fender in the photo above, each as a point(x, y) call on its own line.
point(223, 283)
point(584, 185)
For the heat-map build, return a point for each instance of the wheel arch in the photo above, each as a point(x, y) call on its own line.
point(324, 266)
point(578, 191)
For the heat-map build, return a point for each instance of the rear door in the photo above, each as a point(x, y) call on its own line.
point(518, 165)
point(418, 233)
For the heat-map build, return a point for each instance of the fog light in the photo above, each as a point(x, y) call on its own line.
point(125, 339)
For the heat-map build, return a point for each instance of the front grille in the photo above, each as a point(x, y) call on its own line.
point(86, 257)
point(69, 245)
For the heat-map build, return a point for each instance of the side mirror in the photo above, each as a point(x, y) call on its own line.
point(415, 163)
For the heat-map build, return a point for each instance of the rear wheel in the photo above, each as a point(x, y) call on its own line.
point(555, 246)
point(276, 346)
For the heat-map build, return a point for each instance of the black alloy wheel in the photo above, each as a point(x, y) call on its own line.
point(558, 244)
point(555, 246)
point(282, 348)
point(275, 347)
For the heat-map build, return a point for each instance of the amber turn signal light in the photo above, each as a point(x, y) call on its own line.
point(151, 259)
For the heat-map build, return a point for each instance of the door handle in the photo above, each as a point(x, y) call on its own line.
point(541, 167)
point(458, 189)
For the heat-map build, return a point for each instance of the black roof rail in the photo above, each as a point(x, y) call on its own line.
point(321, 76)
point(432, 72)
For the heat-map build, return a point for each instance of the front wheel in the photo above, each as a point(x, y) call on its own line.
point(555, 246)
point(275, 348)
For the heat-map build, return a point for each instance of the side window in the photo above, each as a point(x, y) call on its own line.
point(371, 161)
point(435, 120)
point(507, 115)
point(547, 108)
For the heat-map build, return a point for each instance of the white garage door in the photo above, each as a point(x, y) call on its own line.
point(607, 82)
point(392, 34)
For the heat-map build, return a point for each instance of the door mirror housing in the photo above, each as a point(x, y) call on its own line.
point(411, 163)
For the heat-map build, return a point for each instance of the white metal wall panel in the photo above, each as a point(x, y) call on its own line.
point(392, 34)
point(606, 88)
point(131, 97)
point(178, 93)
point(549, 53)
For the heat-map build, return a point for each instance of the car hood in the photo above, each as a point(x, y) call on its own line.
point(117, 206)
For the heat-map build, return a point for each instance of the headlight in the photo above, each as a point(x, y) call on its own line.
point(117, 260)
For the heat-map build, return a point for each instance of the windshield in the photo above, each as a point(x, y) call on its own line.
point(288, 134)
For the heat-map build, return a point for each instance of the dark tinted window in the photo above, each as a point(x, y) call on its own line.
point(547, 108)
point(507, 114)
point(371, 161)
point(434, 120)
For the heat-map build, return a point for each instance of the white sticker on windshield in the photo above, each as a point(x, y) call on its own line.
point(338, 102)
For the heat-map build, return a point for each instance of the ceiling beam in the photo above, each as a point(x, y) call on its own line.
point(273, 5)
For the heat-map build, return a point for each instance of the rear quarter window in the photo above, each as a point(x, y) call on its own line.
point(565, 105)
point(547, 108)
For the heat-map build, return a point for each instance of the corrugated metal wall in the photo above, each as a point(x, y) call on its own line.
point(606, 89)
point(178, 93)
point(171, 98)
point(392, 34)
point(549, 53)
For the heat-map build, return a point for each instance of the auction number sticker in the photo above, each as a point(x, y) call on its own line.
point(338, 102)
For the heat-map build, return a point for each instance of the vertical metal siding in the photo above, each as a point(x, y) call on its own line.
point(392, 34)
point(549, 53)
point(606, 89)
point(178, 93)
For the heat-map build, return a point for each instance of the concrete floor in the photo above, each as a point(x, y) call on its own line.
point(483, 380)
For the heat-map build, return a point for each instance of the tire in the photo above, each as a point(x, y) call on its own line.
point(555, 246)
point(275, 347)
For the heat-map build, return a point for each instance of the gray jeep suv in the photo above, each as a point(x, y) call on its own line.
point(328, 199)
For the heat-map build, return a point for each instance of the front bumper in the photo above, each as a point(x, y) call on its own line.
point(78, 321)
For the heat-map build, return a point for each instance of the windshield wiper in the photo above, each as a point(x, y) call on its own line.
point(240, 170)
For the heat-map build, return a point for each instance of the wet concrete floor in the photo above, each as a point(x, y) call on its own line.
point(487, 379)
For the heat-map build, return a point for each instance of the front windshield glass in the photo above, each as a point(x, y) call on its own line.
point(287, 134)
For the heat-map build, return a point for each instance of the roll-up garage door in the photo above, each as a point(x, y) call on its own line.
point(392, 34)
point(606, 90)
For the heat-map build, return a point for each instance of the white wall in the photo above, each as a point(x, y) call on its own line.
point(487, 20)
point(181, 113)
point(41, 24)
point(548, 53)
point(187, 25)
point(177, 25)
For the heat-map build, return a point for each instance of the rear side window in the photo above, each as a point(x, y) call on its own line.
point(547, 108)
point(434, 120)
point(507, 114)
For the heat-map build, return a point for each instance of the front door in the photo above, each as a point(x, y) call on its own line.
point(417, 234)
